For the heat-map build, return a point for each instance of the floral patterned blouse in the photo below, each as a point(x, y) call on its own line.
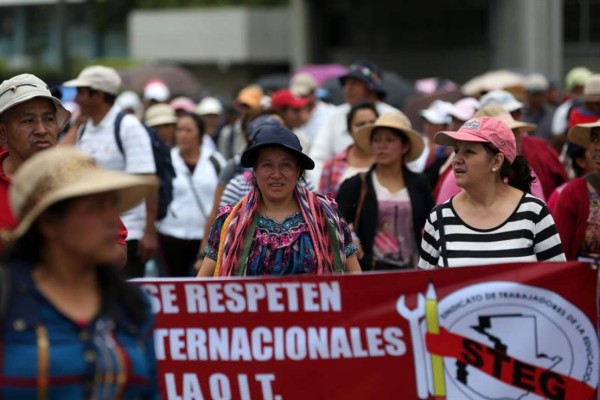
point(279, 247)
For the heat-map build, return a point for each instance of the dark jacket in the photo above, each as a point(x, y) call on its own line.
point(421, 200)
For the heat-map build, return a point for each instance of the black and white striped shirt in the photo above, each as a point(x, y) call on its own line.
point(528, 235)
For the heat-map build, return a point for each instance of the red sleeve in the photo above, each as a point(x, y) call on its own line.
point(570, 214)
point(122, 234)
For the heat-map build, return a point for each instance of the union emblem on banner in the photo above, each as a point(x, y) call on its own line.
point(501, 340)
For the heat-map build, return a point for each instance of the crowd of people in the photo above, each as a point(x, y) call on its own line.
point(289, 185)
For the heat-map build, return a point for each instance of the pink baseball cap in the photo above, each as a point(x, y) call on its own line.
point(484, 130)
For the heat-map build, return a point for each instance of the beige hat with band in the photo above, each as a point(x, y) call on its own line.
point(581, 134)
point(397, 121)
point(160, 114)
point(22, 88)
point(62, 173)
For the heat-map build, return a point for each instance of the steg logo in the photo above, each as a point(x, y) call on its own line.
point(503, 340)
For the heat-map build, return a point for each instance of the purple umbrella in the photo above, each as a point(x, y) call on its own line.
point(323, 72)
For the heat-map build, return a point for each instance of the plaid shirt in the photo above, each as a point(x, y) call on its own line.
point(44, 354)
point(333, 170)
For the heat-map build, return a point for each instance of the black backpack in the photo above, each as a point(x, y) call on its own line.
point(162, 160)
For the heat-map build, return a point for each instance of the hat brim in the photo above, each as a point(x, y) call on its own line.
point(131, 189)
point(362, 138)
point(83, 83)
point(250, 156)
point(164, 120)
point(433, 118)
point(448, 138)
point(580, 134)
point(525, 126)
point(355, 74)
point(513, 106)
point(77, 83)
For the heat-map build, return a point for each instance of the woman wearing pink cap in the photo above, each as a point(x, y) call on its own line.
point(494, 219)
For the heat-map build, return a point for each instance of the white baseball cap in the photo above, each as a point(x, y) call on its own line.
point(209, 105)
point(97, 77)
point(156, 90)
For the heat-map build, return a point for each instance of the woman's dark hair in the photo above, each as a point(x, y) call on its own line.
point(113, 288)
point(576, 152)
point(28, 247)
point(363, 105)
point(517, 174)
point(198, 121)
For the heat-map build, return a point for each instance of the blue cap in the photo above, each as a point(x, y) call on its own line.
point(276, 136)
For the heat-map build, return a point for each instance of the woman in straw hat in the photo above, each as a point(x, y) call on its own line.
point(71, 328)
point(280, 227)
point(353, 159)
point(493, 219)
point(389, 204)
point(577, 210)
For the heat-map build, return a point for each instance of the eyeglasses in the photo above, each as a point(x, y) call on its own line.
point(366, 71)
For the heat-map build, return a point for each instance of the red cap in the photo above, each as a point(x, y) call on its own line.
point(284, 98)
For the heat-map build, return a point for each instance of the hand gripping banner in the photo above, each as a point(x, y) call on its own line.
point(515, 331)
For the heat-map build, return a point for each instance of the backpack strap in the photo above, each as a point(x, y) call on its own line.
point(4, 291)
point(81, 131)
point(215, 164)
point(117, 130)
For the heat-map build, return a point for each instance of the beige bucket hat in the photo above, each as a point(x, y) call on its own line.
point(397, 121)
point(24, 87)
point(160, 114)
point(61, 173)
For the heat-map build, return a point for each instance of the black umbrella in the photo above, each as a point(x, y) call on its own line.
point(272, 82)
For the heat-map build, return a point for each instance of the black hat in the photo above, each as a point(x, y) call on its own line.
point(276, 136)
point(367, 72)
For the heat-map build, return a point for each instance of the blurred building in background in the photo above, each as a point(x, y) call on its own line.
point(226, 47)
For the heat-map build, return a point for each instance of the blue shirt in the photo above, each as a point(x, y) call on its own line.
point(43, 351)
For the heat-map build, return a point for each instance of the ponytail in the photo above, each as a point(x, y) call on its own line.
point(517, 174)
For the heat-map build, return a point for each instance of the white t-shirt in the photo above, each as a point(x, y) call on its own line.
point(99, 141)
point(193, 195)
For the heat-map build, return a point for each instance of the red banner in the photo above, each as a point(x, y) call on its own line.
point(502, 331)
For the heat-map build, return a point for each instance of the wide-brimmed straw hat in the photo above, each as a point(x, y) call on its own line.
point(580, 134)
point(396, 121)
point(63, 173)
point(22, 88)
point(276, 136)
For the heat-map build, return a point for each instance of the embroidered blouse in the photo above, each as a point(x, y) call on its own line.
point(279, 247)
